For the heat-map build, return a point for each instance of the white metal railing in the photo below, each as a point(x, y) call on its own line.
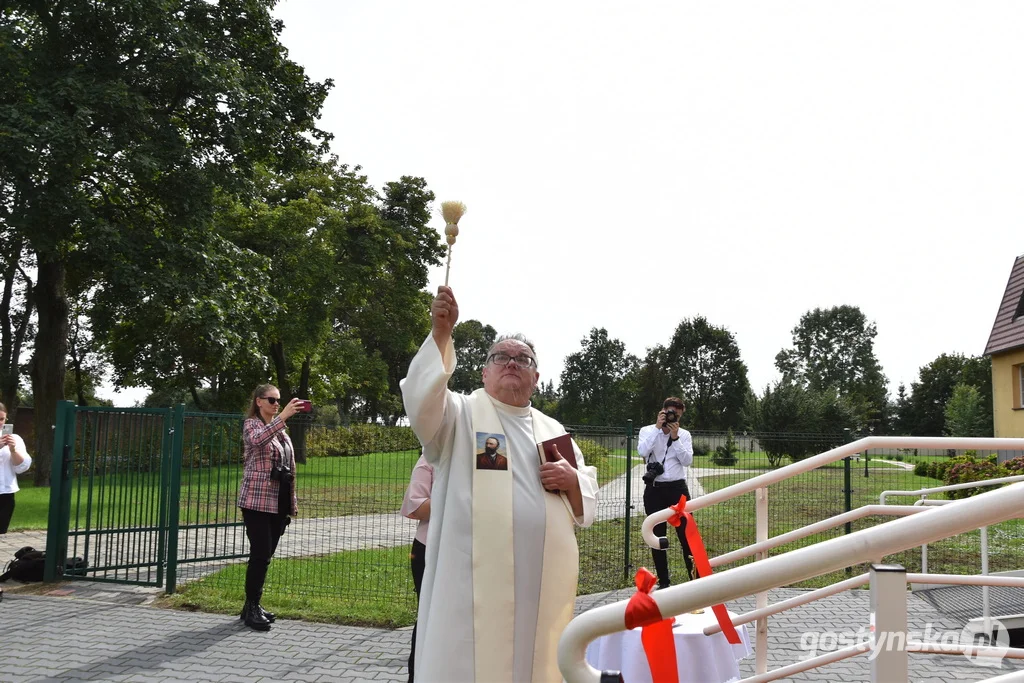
point(760, 485)
point(950, 487)
point(862, 546)
point(923, 493)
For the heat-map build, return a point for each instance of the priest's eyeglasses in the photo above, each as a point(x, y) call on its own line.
point(521, 360)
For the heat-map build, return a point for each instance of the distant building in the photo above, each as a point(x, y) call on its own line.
point(1006, 347)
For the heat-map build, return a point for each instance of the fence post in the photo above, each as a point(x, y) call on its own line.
point(888, 623)
point(629, 502)
point(60, 488)
point(174, 494)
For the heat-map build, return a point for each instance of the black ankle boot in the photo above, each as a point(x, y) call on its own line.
point(269, 616)
point(253, 616)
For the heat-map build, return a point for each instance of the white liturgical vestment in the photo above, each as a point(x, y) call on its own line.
point(448, 630)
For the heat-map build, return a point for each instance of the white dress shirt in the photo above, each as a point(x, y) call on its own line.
point(653, 446)
point(8, 470)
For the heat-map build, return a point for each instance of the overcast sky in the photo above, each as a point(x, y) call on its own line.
point(628, 165)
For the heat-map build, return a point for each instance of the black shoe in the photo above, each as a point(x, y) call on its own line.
point(253, 617)
point(269, 616)
point(662, 585)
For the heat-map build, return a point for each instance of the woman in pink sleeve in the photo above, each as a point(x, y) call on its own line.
point(416, 505)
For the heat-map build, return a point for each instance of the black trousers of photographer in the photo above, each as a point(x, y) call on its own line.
point(264, 531)
point(657, 498)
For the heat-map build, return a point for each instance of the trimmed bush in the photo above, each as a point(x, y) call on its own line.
point(701, 448)
point(358, 439)
point(725, 455)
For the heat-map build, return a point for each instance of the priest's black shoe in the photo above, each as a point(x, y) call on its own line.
point(253, 617)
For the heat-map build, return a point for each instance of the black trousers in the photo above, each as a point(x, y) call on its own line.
point(658, 498)
point(6, 511)
point(417, 558)
point(264, 530)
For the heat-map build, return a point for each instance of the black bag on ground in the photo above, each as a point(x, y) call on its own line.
point(75, 566)
point(28, 565)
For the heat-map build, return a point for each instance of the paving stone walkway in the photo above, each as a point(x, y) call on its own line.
point(50, 639)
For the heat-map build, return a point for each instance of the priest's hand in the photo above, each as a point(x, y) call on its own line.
point(444, 313)
point(561, 476)
point(558, 475)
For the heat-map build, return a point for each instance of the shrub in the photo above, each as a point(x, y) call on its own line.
point(725, 454)
point(1014, 467)
point(593, 452)
point(942, 467)
point(358, 439)
point(701, 448)
point(968, 469)
point(921, 469)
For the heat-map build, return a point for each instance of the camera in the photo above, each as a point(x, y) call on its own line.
point(281, 474)
point(653, 470)
point(671, 416)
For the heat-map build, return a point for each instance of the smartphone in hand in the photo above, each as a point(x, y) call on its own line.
point(305, 406)
point(7, 429)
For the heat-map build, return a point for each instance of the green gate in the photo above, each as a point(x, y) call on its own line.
point(112, 493)
point(138, 492)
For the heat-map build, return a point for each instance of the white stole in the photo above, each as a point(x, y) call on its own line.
point(494, 563)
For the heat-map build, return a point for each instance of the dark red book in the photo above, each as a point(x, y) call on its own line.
point(546, 451)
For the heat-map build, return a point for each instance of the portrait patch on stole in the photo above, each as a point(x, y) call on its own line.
point(491, 452)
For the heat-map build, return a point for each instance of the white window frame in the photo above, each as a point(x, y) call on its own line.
point(1020, 384)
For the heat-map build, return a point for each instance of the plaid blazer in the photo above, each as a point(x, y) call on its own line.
point(266, 445)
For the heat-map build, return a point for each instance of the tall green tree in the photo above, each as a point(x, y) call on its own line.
point(795, 421)
point(593, 385)
point(924, 413)
point(395, 318)
point(472, 339)
point(16, 308)
point(653, 384)
point(965, 413)
point(703, 360)
point(119, 123)
point(834, 349)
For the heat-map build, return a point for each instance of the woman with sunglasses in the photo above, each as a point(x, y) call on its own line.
point(267, 495)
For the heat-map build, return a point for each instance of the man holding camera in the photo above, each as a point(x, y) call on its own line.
point(668, 451)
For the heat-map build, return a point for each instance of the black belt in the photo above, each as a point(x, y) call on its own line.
point(674, 482)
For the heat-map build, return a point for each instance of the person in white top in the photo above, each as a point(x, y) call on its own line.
point(668, 452)
point(14, 460)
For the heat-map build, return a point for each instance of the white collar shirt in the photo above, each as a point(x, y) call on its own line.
point(653, 445)
point(8, 470)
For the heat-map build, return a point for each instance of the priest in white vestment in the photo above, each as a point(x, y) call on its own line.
point(502, 561)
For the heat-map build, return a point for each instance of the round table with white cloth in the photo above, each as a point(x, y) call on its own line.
point(699, 658)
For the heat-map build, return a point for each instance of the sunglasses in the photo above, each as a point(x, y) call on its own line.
point(272, 400)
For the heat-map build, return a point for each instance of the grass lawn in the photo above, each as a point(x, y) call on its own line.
point(327, 487)
point(362, 587)
point(340, 588)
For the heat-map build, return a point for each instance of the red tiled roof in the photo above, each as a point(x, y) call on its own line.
point(1008, 330)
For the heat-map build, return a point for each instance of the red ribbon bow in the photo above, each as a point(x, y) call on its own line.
point(656, 636)
point(701, 563)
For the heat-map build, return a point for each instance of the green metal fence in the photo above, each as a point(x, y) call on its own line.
point(148, 496)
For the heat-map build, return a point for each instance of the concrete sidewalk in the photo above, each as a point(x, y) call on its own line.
point(49, 639)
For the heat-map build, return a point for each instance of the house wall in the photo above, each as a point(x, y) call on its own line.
point(1007, 414)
